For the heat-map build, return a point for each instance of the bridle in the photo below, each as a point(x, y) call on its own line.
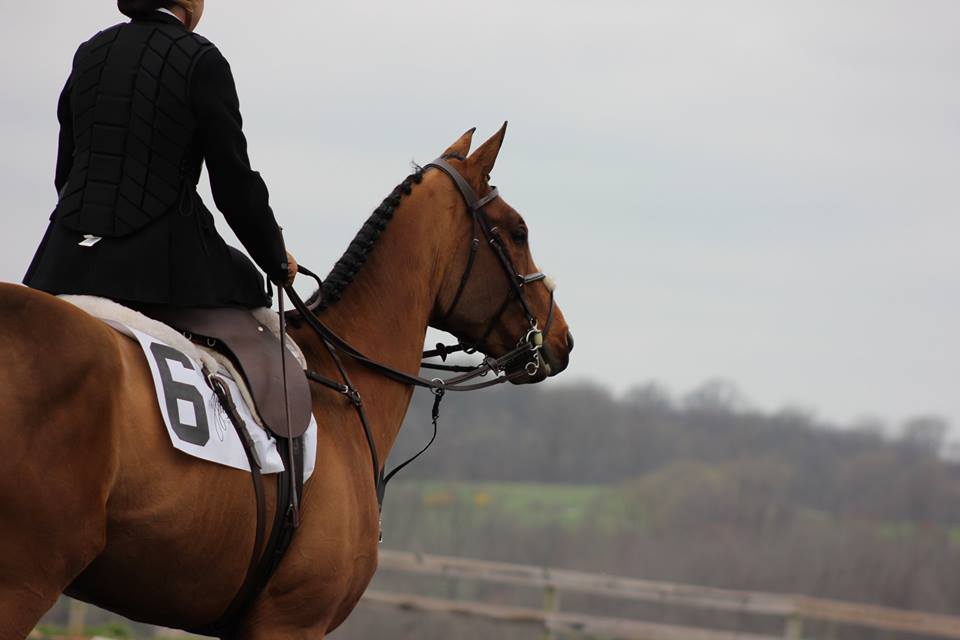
point(528, 352)
point(479, 220)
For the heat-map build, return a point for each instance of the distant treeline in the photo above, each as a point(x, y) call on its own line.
point(584, 434)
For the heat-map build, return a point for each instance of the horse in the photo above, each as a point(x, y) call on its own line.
point(95, 503)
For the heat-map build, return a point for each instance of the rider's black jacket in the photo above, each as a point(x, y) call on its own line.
point(146, 104)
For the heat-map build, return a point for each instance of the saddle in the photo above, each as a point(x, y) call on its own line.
point(254, 350)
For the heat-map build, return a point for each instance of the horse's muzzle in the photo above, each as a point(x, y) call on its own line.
point(555, 359)
point(559, 363)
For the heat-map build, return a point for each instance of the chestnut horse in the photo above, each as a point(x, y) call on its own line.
point(96, 503)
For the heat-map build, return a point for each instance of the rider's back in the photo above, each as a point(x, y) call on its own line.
point(146, 104)
point(133, 128)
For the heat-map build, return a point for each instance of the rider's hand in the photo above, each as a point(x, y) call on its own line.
point(291, 269)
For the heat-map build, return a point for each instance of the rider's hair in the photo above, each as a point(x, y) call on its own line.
point(138, 8)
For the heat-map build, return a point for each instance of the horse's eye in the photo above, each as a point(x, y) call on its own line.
point(520, 237)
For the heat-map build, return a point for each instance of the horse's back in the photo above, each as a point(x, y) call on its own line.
point(58, 386)
point(38, 330)
point(57, 377)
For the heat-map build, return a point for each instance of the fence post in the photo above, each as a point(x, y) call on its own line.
point(77, 622)
point(794, 628)
point(551, 603)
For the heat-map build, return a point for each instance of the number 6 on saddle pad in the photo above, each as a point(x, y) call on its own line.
point(196, 422)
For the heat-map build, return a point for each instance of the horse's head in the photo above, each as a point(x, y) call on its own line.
point(493, 297)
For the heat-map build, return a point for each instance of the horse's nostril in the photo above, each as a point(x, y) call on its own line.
point(569, 341)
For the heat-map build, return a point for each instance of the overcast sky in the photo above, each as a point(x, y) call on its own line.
point(760, 191)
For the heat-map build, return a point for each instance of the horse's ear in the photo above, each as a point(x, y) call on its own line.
point(485, 156)
point(461, 147)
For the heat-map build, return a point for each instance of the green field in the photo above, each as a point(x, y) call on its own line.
point(554, 502)
point(602, 507)
point(525, 505)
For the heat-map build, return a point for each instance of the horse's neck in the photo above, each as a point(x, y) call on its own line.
point(385, 311)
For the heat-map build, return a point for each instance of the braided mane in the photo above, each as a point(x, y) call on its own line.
point(353, 259)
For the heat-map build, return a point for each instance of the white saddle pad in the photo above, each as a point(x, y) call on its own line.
point(195, 420)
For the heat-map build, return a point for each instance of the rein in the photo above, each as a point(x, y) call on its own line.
point(527, 352)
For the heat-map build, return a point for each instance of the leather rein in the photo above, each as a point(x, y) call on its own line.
point(523, 361)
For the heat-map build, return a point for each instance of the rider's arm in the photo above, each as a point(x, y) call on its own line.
point(239, 191)
point(65, 152)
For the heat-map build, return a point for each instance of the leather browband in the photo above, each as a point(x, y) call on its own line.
point(473, 203)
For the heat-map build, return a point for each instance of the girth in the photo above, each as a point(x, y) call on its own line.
point(264, 559)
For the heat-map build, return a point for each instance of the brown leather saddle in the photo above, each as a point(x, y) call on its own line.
point(255, 351)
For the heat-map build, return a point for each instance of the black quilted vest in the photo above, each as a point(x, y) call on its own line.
point(133, 128)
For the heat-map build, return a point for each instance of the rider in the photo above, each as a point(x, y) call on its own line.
point(147, 102)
